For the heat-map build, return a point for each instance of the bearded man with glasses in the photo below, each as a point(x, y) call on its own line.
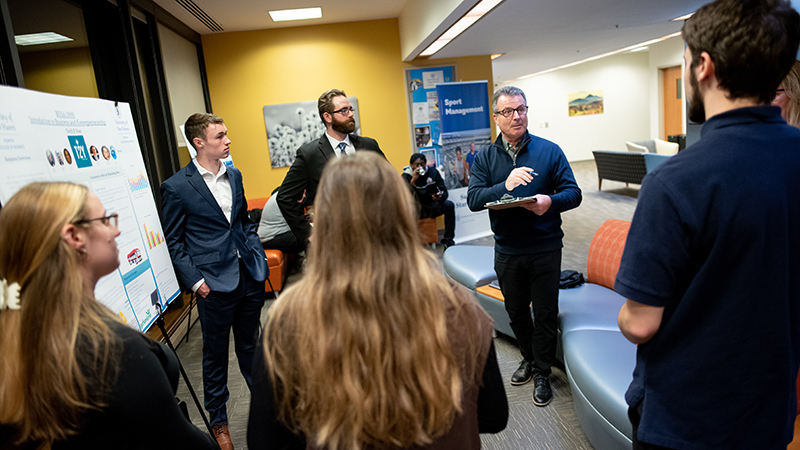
point(337, 115)
point(528, 238)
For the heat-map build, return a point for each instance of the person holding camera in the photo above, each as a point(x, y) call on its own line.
point(431, 194)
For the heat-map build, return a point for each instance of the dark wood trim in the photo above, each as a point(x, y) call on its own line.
point(111, 44)
point(171, 22)
point(162, 125)
point(10, 68)
point(201, 60)
point(168, 20)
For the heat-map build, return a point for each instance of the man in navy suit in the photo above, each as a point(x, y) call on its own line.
point(336, 113)
point(216, 252)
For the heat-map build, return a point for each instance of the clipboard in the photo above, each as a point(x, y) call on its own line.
point(510, 203)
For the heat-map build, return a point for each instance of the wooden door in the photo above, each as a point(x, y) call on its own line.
point(673, 96)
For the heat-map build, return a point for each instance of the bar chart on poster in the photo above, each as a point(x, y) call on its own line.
point(46, 137)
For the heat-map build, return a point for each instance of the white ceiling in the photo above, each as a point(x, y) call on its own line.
point(535, 35)
point(240, 15)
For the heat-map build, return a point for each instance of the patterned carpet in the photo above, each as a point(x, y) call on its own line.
point(530, 427)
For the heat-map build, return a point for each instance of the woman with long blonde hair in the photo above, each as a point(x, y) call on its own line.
point(373, 348)
point(788, 96)
point(788, 99)
point(71, 374)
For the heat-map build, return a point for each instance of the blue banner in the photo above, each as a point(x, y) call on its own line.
point(463, 106)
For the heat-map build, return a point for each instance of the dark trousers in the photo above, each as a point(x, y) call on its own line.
point(285, 242)
point(436, 209)
point(635, 415)
point(527, 280)
point(220, 312)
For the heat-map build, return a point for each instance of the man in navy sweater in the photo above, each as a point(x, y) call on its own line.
point(528, 238)
point(712, 258)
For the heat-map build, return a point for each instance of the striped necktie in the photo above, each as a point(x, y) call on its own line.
point(341, 147)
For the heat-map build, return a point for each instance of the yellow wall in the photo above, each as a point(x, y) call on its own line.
point(250, 69)
point(66, 72)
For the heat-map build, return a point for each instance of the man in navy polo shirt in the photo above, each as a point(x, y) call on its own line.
point(711, 263)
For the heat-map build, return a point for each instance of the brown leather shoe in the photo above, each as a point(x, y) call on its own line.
point(223, 436)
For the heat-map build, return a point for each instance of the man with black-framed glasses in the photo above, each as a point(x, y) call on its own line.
point(337, 115)
point(528, 238)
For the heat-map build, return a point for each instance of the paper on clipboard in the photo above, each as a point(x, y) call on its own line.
point(510, 202)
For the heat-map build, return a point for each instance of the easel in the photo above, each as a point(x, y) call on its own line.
point(161, 326)
point(160, 323)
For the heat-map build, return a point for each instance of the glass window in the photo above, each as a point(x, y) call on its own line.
point(59, 67)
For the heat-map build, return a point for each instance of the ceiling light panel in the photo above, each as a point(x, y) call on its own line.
point(435, 47)
point(284, 15)
point(460, 26)
point(683, 17)
point(40, 38)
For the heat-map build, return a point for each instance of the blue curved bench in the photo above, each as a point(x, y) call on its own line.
point(471, 266)
point(599, 365)
point(599, 361)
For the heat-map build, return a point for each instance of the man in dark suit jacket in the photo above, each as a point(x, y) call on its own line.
point(216, 252)
point(336, 113)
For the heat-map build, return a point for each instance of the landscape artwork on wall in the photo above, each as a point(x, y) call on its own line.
point(585, 102)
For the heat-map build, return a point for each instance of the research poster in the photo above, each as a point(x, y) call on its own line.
point(46, 137)
point(425, 108)
point(464, 113)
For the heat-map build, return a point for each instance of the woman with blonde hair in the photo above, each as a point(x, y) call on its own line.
point(71, 374)
point(788, 99)
point(788, 96)
point(373, 348)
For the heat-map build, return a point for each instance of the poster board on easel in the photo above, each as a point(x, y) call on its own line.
point(47, 137)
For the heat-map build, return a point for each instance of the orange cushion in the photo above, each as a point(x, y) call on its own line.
point(274, 257)
point(428, 230)
point(605, 252)
point(491, 291)
point(256, 203)
point(277, 268)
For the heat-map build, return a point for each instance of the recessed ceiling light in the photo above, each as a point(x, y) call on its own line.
point(683, 17)
point(296, 14)
point(40, 38)
point(497, 55)
point(459, 27)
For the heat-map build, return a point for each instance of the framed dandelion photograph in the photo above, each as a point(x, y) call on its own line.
point(290, 125)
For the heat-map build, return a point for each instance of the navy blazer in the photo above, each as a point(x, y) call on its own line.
point(304, 175)
point(201, 241)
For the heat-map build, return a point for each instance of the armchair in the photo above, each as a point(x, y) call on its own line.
point(653, 146)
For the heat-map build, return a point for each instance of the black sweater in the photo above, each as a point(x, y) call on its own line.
point(142, 412)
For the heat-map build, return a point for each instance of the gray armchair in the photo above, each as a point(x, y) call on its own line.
point(626, 167)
